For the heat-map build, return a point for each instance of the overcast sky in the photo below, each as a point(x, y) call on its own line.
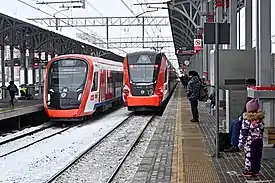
point(106, 8)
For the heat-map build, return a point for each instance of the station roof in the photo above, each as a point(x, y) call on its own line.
point(185, 19)
point(27, 23)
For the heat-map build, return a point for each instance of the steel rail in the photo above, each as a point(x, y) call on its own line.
point(30, 144)
point(111, 178)
point(70, 164)
point(25, 134)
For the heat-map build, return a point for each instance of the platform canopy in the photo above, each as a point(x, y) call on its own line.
point(24, 34)
point(185, 21)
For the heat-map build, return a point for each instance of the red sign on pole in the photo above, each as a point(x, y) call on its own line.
point(198, 44)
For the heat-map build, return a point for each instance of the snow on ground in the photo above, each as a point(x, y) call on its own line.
point(40, 161)
point(21, 132)
point(131, 164)
point(11, 146)
point(98, 165)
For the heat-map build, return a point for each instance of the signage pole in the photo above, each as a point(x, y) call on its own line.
point(217, 87)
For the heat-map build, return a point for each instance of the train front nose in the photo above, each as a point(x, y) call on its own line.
point(66, 83)
point(143, 95)
point(142, 89)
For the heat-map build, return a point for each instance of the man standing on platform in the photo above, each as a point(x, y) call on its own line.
point(12, 88)
point(193, 94)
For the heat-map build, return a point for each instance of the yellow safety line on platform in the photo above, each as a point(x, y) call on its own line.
point(178, 166)
point(190, 160)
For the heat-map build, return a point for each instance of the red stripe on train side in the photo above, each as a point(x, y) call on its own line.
point(159, 90)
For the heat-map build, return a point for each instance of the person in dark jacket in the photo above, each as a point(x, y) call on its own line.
point(12, 88)
point(185, 80)
point(193, 94)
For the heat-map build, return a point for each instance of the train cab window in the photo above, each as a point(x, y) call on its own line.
point(69, 73)
point(158, 59)
point(144, 59)
point(95, 82)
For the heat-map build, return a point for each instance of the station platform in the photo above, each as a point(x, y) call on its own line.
point(181, 151)
point(22, 107)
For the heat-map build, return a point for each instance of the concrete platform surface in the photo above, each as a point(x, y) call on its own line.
point(20, 108)
point(180, 151)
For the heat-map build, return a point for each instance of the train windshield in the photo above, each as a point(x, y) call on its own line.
point(68, 73)
point(142, 73)
point(67, 79)
point(143, 68)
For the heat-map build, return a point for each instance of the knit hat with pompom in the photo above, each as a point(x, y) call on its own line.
point(252, 105)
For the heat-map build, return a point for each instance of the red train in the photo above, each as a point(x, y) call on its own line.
point(149, 79)
point(78, 85)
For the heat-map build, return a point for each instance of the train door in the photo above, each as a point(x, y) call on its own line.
point(103, 85)
point(109, 85)
point(93, 98)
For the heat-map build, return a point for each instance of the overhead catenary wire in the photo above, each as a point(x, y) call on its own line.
point(135, 16)
point(151, 16)
point(67, 17)
point(38, 9)
point(101, 14)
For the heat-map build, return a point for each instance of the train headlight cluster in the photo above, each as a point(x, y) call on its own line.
point(150, 91)
point(63, 95)
point(79, 97)
point(49, 99)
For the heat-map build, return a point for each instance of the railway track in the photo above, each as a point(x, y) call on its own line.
point(92, 147)
point(51, 124)
point(40, 139)
point(111, 178)
point(26, 134)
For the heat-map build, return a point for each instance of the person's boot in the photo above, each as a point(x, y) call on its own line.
point(194, 120)
point(247, 174)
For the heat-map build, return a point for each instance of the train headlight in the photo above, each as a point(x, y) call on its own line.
point(49, 99)
point(79, 97)
point(150, 91)
point(65, 89)
point(63, 95)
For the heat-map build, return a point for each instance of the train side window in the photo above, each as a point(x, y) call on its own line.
point(95, 82)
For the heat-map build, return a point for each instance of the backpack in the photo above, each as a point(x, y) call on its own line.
point(13, 88)
point(203, 93)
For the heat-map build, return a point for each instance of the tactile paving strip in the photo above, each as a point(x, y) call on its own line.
point(191, 162)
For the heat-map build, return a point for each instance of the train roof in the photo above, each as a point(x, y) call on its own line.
point(151, 52)
point(141, 52)
point(90, 58)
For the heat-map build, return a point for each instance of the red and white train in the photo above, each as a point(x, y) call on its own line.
point(149, 79)
point(78, 85)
